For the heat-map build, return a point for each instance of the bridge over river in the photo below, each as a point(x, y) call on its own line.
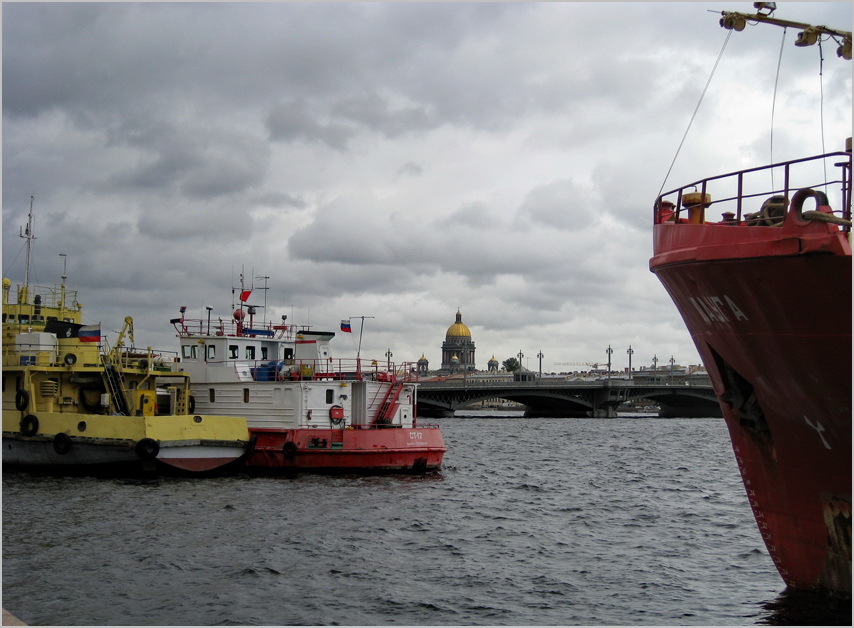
point(561, 398)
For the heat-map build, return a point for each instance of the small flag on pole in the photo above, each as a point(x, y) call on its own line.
point(89, 333)
point(345, 326)
point(245, 295)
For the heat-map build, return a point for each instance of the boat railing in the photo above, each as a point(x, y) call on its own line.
point(740, 195)
point(45, 296)
point(220, 327)
point(153, 360)
point(328, 369)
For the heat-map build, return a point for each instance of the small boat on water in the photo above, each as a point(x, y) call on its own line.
point(70, 401)
point(765, 291)
point(306, 410)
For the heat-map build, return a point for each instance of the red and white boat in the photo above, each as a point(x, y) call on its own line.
point(306, 410)
point(761, 275)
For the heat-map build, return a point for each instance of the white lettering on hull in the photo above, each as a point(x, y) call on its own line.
point(715, 309)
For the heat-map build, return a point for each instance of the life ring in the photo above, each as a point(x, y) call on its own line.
point(22, 400)
point(29, 425)
point(70, 359)
point(62, 443)
point(192, 404)
point(289, 449)
point(147, 449)
point(336, 415)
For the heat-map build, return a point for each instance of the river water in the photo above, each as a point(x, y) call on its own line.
point(626, 521)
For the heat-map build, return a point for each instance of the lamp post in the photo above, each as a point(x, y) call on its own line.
point(209, 308)
point(388, 355)
point(520, 356)
point(609, 351)
point(630, 351)
point(655, 362)
point(671, 368)
point(541, 356)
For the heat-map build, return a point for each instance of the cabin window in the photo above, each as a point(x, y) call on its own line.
point(212, 395)
point(330, 395)
point(189, 352)
point(289, 354)
point(232, 352)
point(245, 395)
point(211, 352)
point(263, 353)
point(250, 352)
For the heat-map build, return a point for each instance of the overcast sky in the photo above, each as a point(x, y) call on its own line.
point(392, 160)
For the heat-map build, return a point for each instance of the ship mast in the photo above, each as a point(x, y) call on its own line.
point(808, 36)
point(28, 234)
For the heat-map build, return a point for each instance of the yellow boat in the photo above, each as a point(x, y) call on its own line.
point(71, 400)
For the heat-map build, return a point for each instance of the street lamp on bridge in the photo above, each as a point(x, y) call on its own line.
point(630, 352)
point(609, 351)
point(541, 356)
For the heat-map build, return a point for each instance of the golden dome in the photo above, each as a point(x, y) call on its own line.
point(458, 329)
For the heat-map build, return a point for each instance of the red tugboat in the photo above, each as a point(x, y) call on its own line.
point(306, 410)
point(765, 291)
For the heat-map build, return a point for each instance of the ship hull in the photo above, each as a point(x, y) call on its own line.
point(373, 450)
point(168, 443)
point(41, 453)
point(769, 311)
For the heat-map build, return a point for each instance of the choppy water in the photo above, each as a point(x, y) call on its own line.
point(531, 522)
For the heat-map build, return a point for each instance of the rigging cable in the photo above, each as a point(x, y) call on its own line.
point(696, 109)
point(821, 104)
point(774, 101)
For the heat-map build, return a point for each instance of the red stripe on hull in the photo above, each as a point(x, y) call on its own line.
point(387, 450)
point(774, 332)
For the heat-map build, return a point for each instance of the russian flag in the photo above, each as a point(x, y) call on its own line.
point(89, 333)
point(345, 326)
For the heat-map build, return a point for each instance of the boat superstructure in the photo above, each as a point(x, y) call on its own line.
point(71, 400)
point(306, 410)
point(758, 262)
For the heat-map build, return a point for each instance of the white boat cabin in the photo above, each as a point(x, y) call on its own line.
point(280, 377)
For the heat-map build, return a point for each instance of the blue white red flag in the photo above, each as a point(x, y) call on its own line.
point(345, 326)
point(89, 333)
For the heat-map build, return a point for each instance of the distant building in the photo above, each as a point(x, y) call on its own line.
point(458, 348)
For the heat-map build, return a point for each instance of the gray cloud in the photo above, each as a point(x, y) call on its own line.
point(390, 159)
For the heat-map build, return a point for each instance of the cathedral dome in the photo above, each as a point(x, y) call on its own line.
point(458, 329)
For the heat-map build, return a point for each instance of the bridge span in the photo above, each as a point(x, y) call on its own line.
point(598, 398)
